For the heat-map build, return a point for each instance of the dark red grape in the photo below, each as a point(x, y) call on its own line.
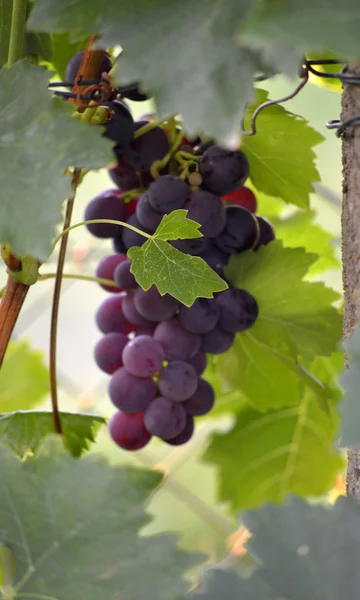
point(202, 401)
point(154, 307)
point(130, 207)
point(168, 193)
point(185, 435)
point(242, 197)
point(178, 343)
point(128, 431)
point(107, 205)
point(164, 418)
point(217, 341)
point(200, 317)
point(223, 170)
point(208, 210)
point(131, 394)
point(110, 317)
point(143, 356)
point(177, 381)
point(108, 351)
point(74, 63)
point(123, 277)
point(238, 310)
point(131, 312)
point(199, 362)
point(241, 231)
point(106, 269)
point(267, 233)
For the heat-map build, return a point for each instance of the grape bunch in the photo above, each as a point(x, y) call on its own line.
point(155, 348)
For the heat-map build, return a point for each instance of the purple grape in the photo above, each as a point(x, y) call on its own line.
point(110, 317)
point(143, 356)
point(146, 215)
point(202, 401)
point(178, 343)
point(106, 269)
point(238, 310)
point(118, 245)
point(123, 277)
point(241, 231)
point(131, 394)
point(120, 126)
point(223, 170)
point(200, 317)
point(123, 175)
point(108, 351)
point(208, 210)
point(128, 431)
point(154, 307)
point(185, 435)
point(74, 63)
point(215, 258)
point(199, 362)
point(217, 341)
point(147, 148)
point(266, 234)
point(194, 246)
point(131, 312)
point(131, 238)
point(164, 418)
point(107, 205)
point(168, 193)
point(145, 330)
point(177, 381)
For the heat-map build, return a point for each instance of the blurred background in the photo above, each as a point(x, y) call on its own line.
point(186, 502)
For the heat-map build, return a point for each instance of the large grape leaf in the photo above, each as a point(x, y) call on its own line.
point(24, 378)
point(288, 450)
point(350, 434)
point(305, 551)
point(73, 529)
point(63, 48)
point(38, 44)
point(5, 25)
point(281, 155)
point(183, 276)
point(24, 431)
point(180, 51)
point(38, 140)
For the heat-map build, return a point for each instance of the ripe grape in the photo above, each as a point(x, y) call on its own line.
point(168, 193)
point(143, 356)
point(238, 310)
point(145, 330)
point(241, 231)
point(267, 233)
point(185, 435)
point(74, 63)
point(130, 207)
point(215, 258)
point(128, 431)
point(123, 277)
point(217, 341)
point(178, 343)
point(118, 245)
point(208, 210)
point(106, 269)
point(223, 170)
point(177, 381)
point(123, 175)
point(242, 197)
point(110, 317)
point(129, 237)
point(146, 215)
point(147, 148)
point(199, 362)
point(194, 246)
point(202, 401)
point(200, 317)
point(164, 418)
point(107, 205)
point(108, 351)
point(119, 126)
point(131, 394)
point(131, 312)
point(154, 307)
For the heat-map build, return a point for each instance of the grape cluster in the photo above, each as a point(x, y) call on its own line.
point(155, 348)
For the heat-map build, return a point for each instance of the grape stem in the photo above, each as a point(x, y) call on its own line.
point(10, 306)
point(17, 31)
point(100, 280)
point(145, 128)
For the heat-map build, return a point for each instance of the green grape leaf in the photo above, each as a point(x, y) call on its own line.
point(196, 55)
point(39, 130)
point(24, 378)
point(24, 431)
point(283, 451)
point(275, 168)
point(38, 44)
point(64, 49)
point(350, 434)
point(183, 276)
point(295, 315)
point(73, 528)
point(5, 21)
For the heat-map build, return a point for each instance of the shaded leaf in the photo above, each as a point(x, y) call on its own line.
point(64, 49)
point(38, 44)
point(5, 21)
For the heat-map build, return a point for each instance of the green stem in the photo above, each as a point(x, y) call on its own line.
point(100, 280)
point(17, 31)
point(146, 128)
point(172, 130)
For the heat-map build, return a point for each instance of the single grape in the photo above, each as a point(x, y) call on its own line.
point(215, 258)
point(145, 330)
point(131, 238)
point(238, 310)
point(131, 394)
point(178, 343)
point(185, 435)
point(123, 277)
point(168, 193)
point(130, 207)
point(147, 148)
point(217, 341)
point(123, 175)
point(110, 317)
point(200, 317)
point(131, 312)
point(107, 205)
point(223, 170)
point(199, 362)
point(128, 431)
point(242, 197)
point(267, 233)
point(154, 307)
point(202, 401)
point(106, 269)
point(143, 356)
point(74, 63)
point(108, 351)
point(164, 418)
point(118, 244)
point(241, 231)
point(208, 210)
point(177, 381)
point(146, 215)
point(120, 126)
point(194, 246)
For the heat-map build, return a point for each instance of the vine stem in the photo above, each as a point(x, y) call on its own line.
point(100, 280)
point(10, 306)
point(17, 31)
